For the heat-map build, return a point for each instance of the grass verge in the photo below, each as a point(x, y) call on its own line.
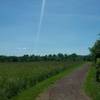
point(92, 88)
point(32, 93)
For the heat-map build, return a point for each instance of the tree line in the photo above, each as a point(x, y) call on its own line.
point(50, 57)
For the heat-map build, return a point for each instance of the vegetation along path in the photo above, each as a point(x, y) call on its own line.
point(68, 88)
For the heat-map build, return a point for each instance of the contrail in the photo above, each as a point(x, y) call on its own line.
point(40, 21)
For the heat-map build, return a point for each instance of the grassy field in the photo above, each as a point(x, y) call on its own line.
point(32, 93)
point(92, 88)
point(16, 77)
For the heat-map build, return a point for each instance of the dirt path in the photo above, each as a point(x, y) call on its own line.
point(68, 88)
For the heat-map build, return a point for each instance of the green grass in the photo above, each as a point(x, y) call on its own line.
point(16, 77)
point(92, 88)
point(32, 93)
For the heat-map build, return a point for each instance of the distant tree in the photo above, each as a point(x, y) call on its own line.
point(65, 56)
point(3, 58)
point(32, 58)
point(54, 57)
point(73, 57)
point(25, 58)
point(50, 57)
point(44, 58)
point(12, 59)
point(60, 56)
point(87, 58)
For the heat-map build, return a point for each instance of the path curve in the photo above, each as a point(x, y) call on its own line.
point(68, 88)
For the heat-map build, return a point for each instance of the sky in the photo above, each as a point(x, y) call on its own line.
point(66, 26)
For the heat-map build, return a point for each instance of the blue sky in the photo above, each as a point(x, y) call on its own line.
point(68, 26)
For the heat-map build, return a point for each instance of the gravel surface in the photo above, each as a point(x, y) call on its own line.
point(68, 88)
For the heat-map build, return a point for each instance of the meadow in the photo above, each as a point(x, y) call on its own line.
point(18, 76)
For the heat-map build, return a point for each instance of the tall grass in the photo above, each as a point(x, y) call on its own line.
point(15, 77)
